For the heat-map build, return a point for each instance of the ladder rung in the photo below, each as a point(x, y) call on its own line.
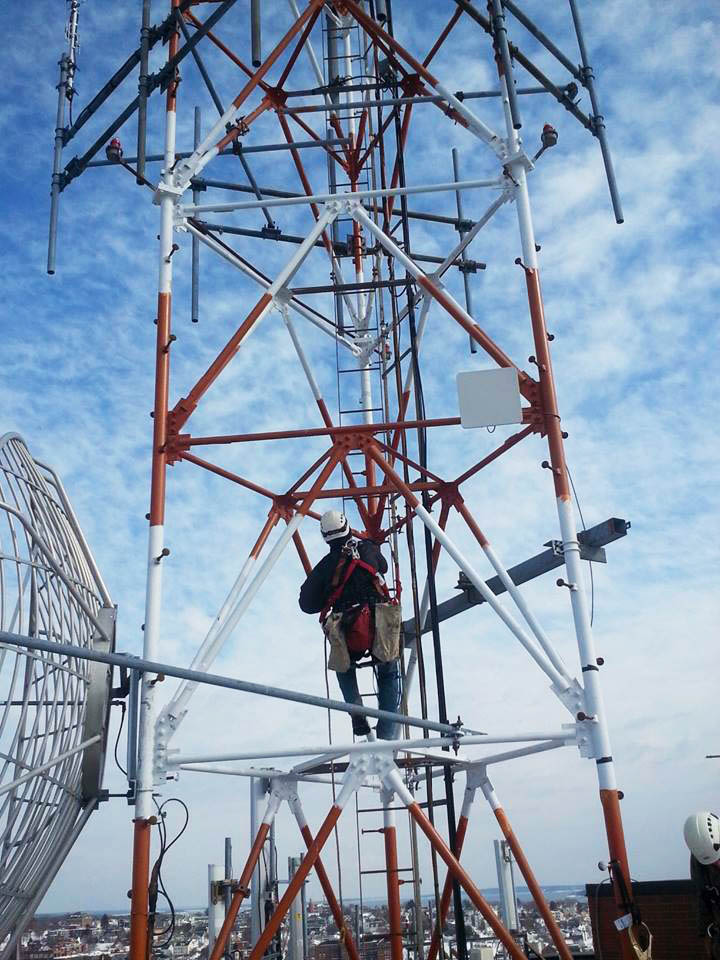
point(399, 870)
point(362, 410)
point(373, 366)
point(425, 804)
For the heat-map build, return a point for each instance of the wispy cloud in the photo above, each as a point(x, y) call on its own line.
point(634, 314)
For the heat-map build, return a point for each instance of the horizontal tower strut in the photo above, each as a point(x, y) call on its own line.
point(591, 543)
point(214, 680)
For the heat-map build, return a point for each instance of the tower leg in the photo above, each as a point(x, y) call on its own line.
point(393, 885)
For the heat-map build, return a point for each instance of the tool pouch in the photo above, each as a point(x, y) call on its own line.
point(339, 658)
point(388, 626)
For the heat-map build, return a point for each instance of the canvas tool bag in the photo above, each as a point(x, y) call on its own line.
point(388, 626)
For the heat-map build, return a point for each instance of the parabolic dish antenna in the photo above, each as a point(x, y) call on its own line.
point(53, 708)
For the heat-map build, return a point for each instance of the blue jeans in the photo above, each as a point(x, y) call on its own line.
point(388, 687)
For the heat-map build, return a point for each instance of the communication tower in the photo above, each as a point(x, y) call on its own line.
point(362, 250)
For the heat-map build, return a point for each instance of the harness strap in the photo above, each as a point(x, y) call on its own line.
point(353, 563)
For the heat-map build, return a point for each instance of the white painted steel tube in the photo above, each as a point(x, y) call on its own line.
point(475, 124)
point(147, 713)
point(394, 782)
point(490, 598)
point(293, 264)
point(309, 764)
point(156, 535)
point(349, 96)
point(489, 794)
point(319, 322)
point(527, 613)
point(377, 746)
point(191, 209)
point(520, 752)
point(209, 649)
point(302, 357)
point(216, 906)
point(229, 618)
point(253, 773)
point(233, 617)
point(597, 727)
point(465, 242)
point(260, 577)
point(468, 800)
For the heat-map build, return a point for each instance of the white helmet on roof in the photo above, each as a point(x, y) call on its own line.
point(702, 835)
point(334, 525)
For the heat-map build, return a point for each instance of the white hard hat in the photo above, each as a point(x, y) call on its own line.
point(702, 835)
point(334, 525)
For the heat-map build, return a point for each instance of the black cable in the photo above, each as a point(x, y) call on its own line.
point(122, 769)
point(582, 521)
point(157, 884)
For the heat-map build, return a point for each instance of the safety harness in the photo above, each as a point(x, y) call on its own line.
point(357, 622)
point(354, 562)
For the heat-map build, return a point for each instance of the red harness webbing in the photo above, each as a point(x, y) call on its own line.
point(337, 592)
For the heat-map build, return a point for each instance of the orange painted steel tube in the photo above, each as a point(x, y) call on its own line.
point(240, 894)
point(302, 552)
point(443, 36)
point(345, 935)
point(533, 886)
point(308, 473)
point(295, 884)
point(188, 404)
point(393, 891)
point(228, 475)
point(346, 469)
point(390, 42)
point(547, 385)
point(447, 890)
point(464, 879)
point(272, 57)
point(300, 44)
point(405, 126)
point(616, 845)
point(225, 49)
point(503, 448)
point(139, 893)
point(238, 131)
point(475, 331)
point(376, 489)
point(323, 431)
point(472, 524)
point(160, 411)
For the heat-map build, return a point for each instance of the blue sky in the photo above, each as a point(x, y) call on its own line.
point(634, 313)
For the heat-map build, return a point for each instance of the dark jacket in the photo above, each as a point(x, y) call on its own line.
point(707, 882)
point(360, 588)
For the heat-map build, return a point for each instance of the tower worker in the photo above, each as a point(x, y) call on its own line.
point(358, 618)
point(702, 835)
